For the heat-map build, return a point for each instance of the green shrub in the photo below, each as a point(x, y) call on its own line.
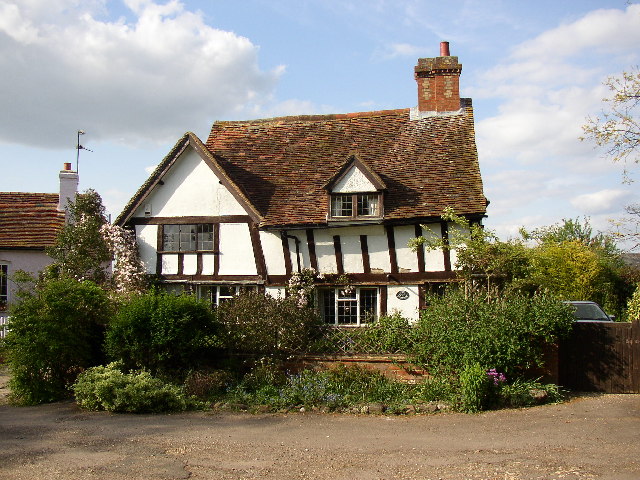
point(259, 324)
point(163, 333)
point(108, 388)
point(55, 331)
point(507, 333)
point(475, 388)
point(527, 393)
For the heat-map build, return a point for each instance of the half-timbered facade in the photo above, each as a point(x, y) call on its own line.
point(341, 194)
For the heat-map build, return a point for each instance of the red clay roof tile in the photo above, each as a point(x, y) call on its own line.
point(281, 164)
point(29, 220)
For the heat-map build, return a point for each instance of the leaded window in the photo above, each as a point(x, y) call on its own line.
point(187, 238)
point(355, 205)
point(348, 306)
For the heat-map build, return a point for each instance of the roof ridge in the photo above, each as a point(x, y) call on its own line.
point(318, 117)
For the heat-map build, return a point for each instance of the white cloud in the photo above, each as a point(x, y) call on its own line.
point(395, 50)
point(603, 201)
point(600, 31)
point(67, 67)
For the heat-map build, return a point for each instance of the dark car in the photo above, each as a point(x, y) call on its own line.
point(589, 312)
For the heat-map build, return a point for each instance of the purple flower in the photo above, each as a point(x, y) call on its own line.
point(496, 376)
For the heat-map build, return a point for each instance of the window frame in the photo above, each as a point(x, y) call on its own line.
point(356, 201)
point(338, 306)
point(217, 298)
point(196, 235)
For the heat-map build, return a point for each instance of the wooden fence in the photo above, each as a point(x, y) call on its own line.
point(601, 357)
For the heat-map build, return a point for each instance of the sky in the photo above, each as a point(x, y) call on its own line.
point(135, 75)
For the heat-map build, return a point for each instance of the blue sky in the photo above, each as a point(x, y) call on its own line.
point(137, 74)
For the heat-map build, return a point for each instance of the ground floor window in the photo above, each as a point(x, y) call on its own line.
point(214, 294)
point(352, 306)
point(4, 285)
point(217, 294)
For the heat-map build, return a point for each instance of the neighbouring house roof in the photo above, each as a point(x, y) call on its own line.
point(282, 164)
point(29, 220)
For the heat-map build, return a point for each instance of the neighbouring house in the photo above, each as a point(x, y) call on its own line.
point(29, 222)
point(340, 194)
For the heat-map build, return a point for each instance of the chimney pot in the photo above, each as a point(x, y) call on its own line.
point(444, 49)
point(67, 166)
point(438, 82)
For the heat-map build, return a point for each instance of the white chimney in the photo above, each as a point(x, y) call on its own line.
point(68, 188)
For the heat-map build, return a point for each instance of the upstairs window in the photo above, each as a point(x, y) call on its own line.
point(355, 205)
point(188, 238)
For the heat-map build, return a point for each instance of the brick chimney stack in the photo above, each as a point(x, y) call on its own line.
point(68, 188)
point(438, 82)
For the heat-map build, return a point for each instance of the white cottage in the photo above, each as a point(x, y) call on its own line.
point(30, 222)
point(341, 194)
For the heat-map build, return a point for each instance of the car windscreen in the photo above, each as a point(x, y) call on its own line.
point(588, 311)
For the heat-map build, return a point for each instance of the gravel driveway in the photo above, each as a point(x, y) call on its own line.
point(592, 437)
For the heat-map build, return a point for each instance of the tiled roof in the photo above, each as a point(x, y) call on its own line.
point(29, 220)
point(282, 164)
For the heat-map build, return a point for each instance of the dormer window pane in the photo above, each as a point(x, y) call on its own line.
point(367, 204)
point(342, 206)
point(355, 205)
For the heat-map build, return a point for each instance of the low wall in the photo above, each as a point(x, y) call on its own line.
point(393, 366)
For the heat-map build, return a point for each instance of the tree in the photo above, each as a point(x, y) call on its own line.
point(86, 246)
point(567, 260)
point(81, 251)
point(617, 127)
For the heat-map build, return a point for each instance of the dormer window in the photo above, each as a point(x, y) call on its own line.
point(355, 192)
point(355, 205)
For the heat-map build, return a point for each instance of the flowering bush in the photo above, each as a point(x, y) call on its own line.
point(301, 286)
point(497, 377)
point(128, 272)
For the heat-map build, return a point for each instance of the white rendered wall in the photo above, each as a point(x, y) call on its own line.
point(190, 264)
point(354, 181)
point(190, 189)
point(456, 231)
point(407, 308)
point(236, 251)
point(169, 264)
point(303, 249)
point(325, 251)
point(147, 237)
point(407, 259)
point(29, 261)
point(379, 259)
point(208, 263)
point(433, 259)
point(272, 250)
point(275, 292)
